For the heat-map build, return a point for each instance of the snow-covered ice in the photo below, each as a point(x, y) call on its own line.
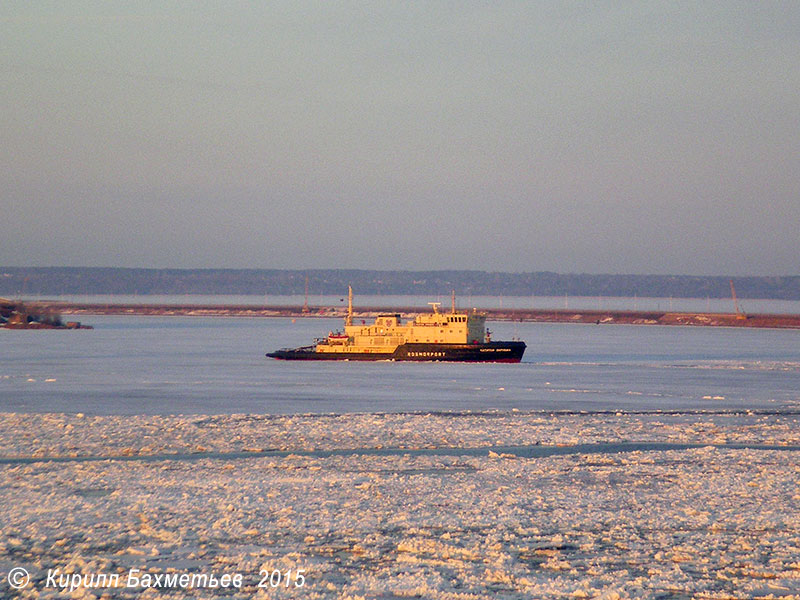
point(59, 434)
point(706, 522)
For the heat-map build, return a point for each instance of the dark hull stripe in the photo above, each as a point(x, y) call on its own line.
point(508, 352)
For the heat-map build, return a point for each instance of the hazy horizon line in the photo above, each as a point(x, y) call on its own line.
point(387, 270)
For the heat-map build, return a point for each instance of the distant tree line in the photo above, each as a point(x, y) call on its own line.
point(28, 281)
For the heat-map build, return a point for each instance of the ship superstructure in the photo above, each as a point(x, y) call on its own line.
point(452, 336)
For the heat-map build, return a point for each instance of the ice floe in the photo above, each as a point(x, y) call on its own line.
point(704, 522)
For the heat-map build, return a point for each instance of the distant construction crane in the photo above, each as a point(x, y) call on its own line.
point(305, 302)
point(739, 313)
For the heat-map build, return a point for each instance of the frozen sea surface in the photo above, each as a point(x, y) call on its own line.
point(172, 365)
point(615, 462)
point(703, 522)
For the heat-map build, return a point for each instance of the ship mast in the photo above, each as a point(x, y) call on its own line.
point(349, 320)
point(453, 301)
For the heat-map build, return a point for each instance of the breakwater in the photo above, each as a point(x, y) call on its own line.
point(599, 317)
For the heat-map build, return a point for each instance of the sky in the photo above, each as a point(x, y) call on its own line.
point(576, 137)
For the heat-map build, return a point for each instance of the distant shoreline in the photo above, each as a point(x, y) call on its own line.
point(63, 281)
point(599, 317)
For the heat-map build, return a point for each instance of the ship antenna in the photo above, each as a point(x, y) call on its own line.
point(349, 320)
